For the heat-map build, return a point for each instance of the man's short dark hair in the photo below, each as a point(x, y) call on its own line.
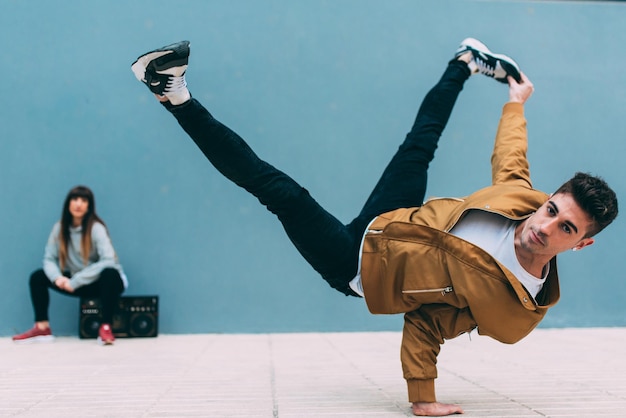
point(595, 197)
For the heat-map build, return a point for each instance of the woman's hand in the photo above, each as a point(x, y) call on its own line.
point(63, 282)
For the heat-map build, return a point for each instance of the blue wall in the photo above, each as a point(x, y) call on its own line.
point(325, 90)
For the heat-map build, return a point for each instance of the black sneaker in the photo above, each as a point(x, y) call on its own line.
point(484, 61)
point(163, 71)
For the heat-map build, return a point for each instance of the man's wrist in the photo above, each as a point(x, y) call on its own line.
point(421, 390)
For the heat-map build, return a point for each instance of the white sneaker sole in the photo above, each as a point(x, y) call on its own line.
point(139, 66)
point(36, 340)
point(102, 342)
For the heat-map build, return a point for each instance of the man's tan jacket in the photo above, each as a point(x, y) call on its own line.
point(445, 285)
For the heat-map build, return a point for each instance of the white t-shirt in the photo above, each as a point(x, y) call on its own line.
point(356, 284)
point(496, 234)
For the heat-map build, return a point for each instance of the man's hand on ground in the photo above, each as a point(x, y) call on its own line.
point(435, 409)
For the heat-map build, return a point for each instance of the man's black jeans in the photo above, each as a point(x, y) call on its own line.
point(331, 247)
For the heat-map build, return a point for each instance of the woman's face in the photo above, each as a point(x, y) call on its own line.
point(78, 208)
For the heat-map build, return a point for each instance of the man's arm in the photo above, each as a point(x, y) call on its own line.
point(508, 161)
point(424, 331)
point(420, 347)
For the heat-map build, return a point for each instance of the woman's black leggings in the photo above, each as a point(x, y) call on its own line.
point(107, 288)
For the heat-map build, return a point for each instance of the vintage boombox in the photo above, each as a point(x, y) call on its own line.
point(135, 316)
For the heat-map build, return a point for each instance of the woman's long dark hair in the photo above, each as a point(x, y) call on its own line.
point(88, 220)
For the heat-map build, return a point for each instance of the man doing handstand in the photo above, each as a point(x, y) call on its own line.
point(450, 265)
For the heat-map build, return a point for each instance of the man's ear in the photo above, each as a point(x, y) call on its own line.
point(583, 243)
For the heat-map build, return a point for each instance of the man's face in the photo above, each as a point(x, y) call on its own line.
point(558, 225)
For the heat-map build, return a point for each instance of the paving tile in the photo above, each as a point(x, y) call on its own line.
point(552, 373)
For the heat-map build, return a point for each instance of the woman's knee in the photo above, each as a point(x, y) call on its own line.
point(111, 278)
point(38, 277)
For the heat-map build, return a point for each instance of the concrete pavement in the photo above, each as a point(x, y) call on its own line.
point(552, 373)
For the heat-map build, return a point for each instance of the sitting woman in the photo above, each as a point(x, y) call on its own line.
point(79, 261)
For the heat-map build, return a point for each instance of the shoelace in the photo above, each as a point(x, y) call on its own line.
point(175, 84)
point(484, 67)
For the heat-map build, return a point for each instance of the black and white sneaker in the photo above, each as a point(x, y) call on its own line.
point(484, 61)
point(163, 71)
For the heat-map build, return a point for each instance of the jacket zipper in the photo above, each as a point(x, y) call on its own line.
point(443, 290)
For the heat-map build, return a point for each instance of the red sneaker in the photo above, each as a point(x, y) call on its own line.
point(34, 335)
point(105, 335)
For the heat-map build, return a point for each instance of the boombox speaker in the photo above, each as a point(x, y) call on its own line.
point(136, 316)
